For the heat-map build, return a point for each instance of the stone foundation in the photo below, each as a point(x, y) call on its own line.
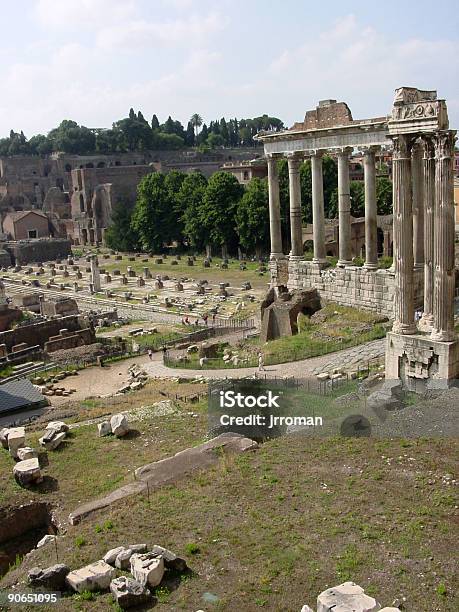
point(350, 286)
point(420, 362)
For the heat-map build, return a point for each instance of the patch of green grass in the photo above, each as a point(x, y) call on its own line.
point(80, 541)
point(162, 594)
point(192, 549)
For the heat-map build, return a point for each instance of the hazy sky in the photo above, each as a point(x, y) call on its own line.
point(91, 60)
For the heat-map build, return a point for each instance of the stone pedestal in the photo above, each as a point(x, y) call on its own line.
point(420, 362)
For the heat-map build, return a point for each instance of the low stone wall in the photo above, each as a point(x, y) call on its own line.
point(40, 333)
point(69, 341)
point(46, 249)
point(352, 286)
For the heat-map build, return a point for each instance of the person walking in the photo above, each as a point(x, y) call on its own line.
point(261, 364)
point(150, 354)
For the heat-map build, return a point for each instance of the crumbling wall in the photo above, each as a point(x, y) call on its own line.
point(28, 251)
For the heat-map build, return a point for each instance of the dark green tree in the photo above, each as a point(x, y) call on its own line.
point(191, 196)
point(121, 234)
point(384, 195)
point(220, 202)
point(153, 218)
point(154, 123)
point(252, 217)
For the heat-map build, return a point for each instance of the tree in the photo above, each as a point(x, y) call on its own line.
point(40, 145)
point(252, 217)
point(154, 123)
point(137, 134)
point(196, 122)
point(173, 182)
point(191, 197)
point(121, 234)
point(190, 135)
point(69, 137)
point(220, 201)
point(153, 218)
point(214, 140)
point(357, 190)
point(384, 195)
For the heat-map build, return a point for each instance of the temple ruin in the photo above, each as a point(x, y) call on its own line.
point(422, 276)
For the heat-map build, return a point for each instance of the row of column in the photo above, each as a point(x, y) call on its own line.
point(424, 231)
point(318, 217)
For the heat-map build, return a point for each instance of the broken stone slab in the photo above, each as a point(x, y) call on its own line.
point(147, 569)
point(51, 440)
point(123, 559)
point(94, 577)
point(16, 440)
point(26, 452)
point(306, 609)
point(110, 556)
point(170, 470)
point(52, 578)
point(171, 560)
point(28, 472)
point(47, 539)
point(119, 425)
point(128, 593)
point(346, 597)
point(104, 429)
point(58, 426)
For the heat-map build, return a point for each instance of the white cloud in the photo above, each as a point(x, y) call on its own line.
point(71, 14)
point(143, 33)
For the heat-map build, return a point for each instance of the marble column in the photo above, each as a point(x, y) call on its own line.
point(318, 215)
point(371, 212)
point(425, 324)
point(444, 272)
point(296, 235)
point(418, 205)
point(403, 237)
point(344, 207)
point(274, 209)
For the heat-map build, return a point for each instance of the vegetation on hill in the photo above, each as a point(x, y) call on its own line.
point(135, 133)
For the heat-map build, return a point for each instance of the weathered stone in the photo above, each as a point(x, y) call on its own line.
point(147, 569)
point(280, 313)
point(104, 428)
point(123, 559)
point(94, 577)
point(58, 426)
point(346, 597)
point(52, 578)
point(119, 425)
point(4, 432)
point(171, 560)
point(47, 539)
point(110, 556)
point(26, 452)
point(52, 439)
point(16, 440)
point(27, 472)
point(128, 592)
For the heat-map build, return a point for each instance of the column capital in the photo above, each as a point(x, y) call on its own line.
point(294, 160)
point(274, 156)
point(370, 149)
point(444, 144)
point(402, 145)
point(343, 151)
point(316, 153)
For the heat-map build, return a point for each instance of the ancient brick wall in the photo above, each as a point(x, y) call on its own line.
point(352, 286)
point(48, 249)
point(39, 333)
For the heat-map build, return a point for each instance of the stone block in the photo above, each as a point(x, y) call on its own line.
point(51, 578)
point(27, 472)
point(147, 569)
point(51, 440)
point(346, 597)
point(119, 425)
point(171, 560)
point(104, 428)
point(128, 593)
point(26, 452)
point(16, 440)
point(110, 556)
point(94, 577)
point(58, 426)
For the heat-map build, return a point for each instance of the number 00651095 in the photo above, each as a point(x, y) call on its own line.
point(16, 598)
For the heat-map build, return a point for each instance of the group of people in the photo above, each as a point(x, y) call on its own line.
point(205, 320)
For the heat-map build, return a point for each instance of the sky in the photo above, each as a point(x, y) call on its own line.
point(91, 60)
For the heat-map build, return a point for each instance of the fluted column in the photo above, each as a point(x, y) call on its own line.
point(318, 215)
point(403, 237)
point(425, 324)
point(371, 212)
point(295, 206)
point(274, 209)
point(344, 207)
point(444, 274)
point(418, 205)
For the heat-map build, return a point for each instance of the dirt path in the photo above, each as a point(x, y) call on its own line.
point(99, 382)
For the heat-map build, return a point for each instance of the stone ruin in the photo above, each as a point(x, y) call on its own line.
point(421, 354)
point(280, 311)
